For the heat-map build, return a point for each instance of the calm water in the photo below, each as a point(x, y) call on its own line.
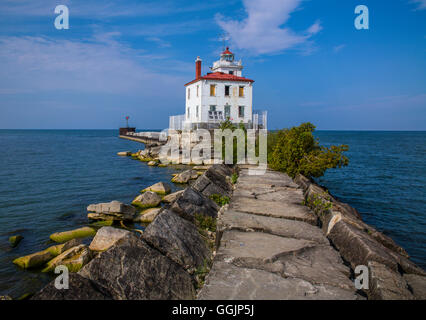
point(47, 178)
point(386, 182)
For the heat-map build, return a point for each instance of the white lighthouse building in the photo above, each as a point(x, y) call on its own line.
point(217, 96)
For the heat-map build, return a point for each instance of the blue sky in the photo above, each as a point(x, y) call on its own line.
point(133, 57)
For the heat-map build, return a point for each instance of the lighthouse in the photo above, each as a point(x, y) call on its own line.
point(219, 95)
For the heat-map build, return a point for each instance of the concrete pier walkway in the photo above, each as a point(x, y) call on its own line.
point(272, 248)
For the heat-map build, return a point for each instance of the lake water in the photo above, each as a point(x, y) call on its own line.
point(48, 177)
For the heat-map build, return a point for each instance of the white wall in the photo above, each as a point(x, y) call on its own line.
point(204, 100)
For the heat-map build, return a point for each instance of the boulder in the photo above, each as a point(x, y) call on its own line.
point(124, 153)
point(215, 181)
point(113, 210)
point(80, 288)
point(132, 270)
point(185, 176)
point(178, 239)
point(147, 199)
point(152, 163)
point(417, 284)
point(14, 240)
point(39, 258)
point(73, 234)
point(5, 298)
point(74, 259)
point(147, 215)
point(106, 237)
point(358, 248)
point(159, 188)
point(385, 284)
point(192, 202)
point(172, 197)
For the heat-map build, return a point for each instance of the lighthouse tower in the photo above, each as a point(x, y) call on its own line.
point(219, 95)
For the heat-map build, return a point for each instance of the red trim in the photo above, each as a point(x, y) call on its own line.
point(221, 77)
point(227, 51)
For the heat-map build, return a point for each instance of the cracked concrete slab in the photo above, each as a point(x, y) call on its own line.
point(228, 282)
point(280, 227)
point(274, 209)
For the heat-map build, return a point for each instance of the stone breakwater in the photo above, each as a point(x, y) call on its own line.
point(276, 239)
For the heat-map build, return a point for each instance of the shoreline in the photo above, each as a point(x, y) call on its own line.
point(168, 237)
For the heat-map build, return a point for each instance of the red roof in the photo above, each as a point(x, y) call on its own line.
point(222, 77)
point(227, 51)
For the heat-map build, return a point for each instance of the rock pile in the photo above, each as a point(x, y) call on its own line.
point(163, 263)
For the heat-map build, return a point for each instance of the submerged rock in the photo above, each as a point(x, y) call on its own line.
point(159, 188)
point(74, 259)
point(148, 215)
point(172, 197)
point(39, 258)
point(14, 240)
point(73, 234)
point(124, 153)
point(185, 176)
point(132, 270)
point(106, 237)
point(148, 199)
point(114, 210)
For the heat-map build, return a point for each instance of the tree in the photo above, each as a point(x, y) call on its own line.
point(297, 151)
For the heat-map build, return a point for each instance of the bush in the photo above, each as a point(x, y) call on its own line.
point(220, 200)
point(296, 151)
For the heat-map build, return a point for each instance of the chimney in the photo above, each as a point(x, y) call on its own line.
point(198, 68)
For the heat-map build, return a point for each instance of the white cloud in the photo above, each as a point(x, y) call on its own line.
point(421, 4)
point(97, 65)
point(339, 48)
point(262, 31)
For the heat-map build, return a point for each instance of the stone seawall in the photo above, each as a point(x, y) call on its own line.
point(276, 239)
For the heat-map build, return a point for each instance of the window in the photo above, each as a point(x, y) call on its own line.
point(197, 110)
point(231, 72)
point(189, 93)
point(187, 114)
point(227, 90)
point(197, 90)
point(241, 111)
point(212, 108)
point(227, 111)
point(212, 90)
point(241, 92)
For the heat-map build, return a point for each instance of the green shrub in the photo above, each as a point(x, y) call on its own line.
point(220, 200)
point(297, 151)
point(234, 178)
point(205, 222)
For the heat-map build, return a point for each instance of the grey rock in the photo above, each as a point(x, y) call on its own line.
point(172, 197)
point(80, 288)
point(106, 237)
point(358, 248)
point(417, 284)
point(192, 202)
point(147, 199)
point(147, 215)
point(115, 209)
point(178, 239)
point(385, 284)
point(132, 270)
point(159, 187)
point(185, 176)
